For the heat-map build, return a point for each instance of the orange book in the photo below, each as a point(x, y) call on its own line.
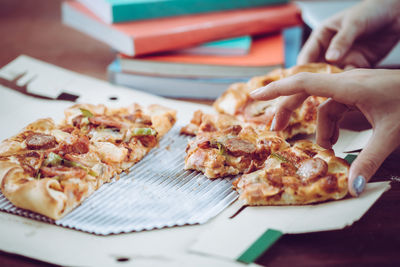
point(157, 35)
point(266, 53)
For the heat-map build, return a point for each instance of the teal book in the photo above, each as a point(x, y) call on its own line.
point(112, 11)
point(226, 47)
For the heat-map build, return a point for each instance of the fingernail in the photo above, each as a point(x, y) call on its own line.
point(256, 92)
point(332, 55)
point(272, 128)
point(359, 184)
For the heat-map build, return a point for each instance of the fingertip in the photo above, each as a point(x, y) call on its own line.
point(281, 119)
point(264, 93)
point(324, 143)
point(357, 185)
point(332, 54)
point(258, 93)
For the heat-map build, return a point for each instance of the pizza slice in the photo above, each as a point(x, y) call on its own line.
point(301, 174)
point(225, 146)
point(50, 169)
point(236, 101)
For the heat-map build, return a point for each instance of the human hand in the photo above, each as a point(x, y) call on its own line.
point(376, 93)
point(358, 37)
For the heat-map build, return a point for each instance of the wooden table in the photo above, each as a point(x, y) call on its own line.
point(33, 28)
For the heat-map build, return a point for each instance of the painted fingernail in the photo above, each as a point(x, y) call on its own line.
point(359, 184)
point(332, 55)
point(272, 128)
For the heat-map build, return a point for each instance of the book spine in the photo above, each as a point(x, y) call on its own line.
point(131, 11)
point(238, 26)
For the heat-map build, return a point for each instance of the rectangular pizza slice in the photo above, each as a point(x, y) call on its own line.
point(51, 168)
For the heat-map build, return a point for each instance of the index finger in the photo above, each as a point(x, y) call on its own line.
point(316, 84)
point(315, 46)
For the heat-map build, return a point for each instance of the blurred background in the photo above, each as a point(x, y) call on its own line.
point(182, 49)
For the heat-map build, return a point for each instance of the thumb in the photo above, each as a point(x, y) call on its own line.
point(380, 145)
point(341, 43)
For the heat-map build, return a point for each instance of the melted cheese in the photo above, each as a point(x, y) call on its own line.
point(105, 135)
point(109, 152)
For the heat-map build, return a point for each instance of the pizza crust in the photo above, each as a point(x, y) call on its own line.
point(42, 196)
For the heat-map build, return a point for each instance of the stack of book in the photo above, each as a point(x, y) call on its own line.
point(189, 48)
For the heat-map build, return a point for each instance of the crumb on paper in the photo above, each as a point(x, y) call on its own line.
point(117, 177)
point(168, 147)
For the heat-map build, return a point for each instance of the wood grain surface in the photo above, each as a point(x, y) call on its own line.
point(33, 27)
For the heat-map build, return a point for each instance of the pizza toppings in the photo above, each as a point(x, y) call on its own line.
point(38, 141)
point(233, 129)
point(279, 157)
point(80, 145)
point(105, 121)
point(86, 113)
point(143, 131)
point(55, 160)
point(63, 171)
point(312, 169)
point(74, 144)
point(239, 147)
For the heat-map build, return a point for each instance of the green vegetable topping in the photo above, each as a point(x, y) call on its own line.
point(86, 113)
point(69, 163)
point(143, 131)
point(280, 157)
point(221, 149)
point(53, 159)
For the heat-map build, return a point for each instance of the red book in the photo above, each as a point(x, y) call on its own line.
point(266, 53)
point(157, 35)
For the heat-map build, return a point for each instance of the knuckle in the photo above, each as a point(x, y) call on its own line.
point(358, 22)
point(300, 79)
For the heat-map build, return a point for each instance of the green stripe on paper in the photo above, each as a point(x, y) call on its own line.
point(262, 244)
point(350, 158)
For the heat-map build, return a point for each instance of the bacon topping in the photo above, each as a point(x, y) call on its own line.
point(139, 117)
point(148, 140)
point(105, 121)
point(76, 121)
point(38, 141)
point(208, 127)
point(312, 169)
point(239, 147)
point(205, 144)
point(234, 129)
point(62, 171)
point(79, 145)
